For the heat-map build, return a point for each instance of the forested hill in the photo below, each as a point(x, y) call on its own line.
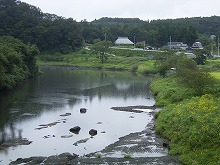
point(205, 25)
point(106, 21)
point(48, 31)
point(52, 33)
point(155, 32)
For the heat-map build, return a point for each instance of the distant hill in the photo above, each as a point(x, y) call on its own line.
point(156, 32)
point(57, 34)
point(204, 25)
point(118, 21)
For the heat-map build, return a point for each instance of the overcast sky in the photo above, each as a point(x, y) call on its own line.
point(143, 9)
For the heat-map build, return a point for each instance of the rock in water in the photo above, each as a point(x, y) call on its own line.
point(93, 132)
point(83, 110)
point(75, 130)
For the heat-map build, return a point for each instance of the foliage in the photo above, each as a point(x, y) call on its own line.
point(187, 72)
point(98, 155)
point(128, 155)
point(201, 56)
point(168, 91)
point(17, 61)
point(193, 127)
point(156, 33)
point(216, 75)
point(101, 48)
point(147, 67)
point(199, 81)
point(48, 31)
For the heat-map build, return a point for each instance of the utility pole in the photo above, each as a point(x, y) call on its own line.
point(105, 36)
point(134, 41)
point(170, 42)
point(218, 47)
point(212, 54)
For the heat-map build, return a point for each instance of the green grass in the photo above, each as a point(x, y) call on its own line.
point(128, 155)
point(193, 129)
point(98, 155)
point(168, 91)
point(133, 62)
point(147, 67)
point(216, 75)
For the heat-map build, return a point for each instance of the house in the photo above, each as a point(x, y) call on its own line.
point(177, 45)
point(123, 41)
point(197, 45)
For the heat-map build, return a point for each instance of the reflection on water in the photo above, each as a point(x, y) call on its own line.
point(43, 110)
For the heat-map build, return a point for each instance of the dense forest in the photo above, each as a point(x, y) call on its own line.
point(35, 32)
point(156, 32)
point(52, 33)
point(48, 31)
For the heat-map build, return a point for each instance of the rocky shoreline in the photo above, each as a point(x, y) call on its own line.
point(145, 147)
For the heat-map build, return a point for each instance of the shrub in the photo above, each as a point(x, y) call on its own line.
point(168, 91)
point(193, 127)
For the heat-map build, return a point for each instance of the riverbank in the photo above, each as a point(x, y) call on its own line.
point(145, 147)
point(121, 60)
point(187, 121)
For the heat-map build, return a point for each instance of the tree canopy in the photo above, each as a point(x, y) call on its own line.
point(156, 32)
point(49, 32)
point(17, 61)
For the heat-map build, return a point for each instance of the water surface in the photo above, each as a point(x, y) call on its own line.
point(45, 99)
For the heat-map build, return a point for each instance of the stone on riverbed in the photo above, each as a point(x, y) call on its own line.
point(14, 143)
point(83, 110)
point(81, 141)
point(136, 109)
point(66, 114)
point(93, 132)
point(64, 158)
point(75, 129)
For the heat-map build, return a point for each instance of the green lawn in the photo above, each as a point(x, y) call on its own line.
point(216, 75)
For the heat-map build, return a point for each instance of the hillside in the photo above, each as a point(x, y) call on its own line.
point(52, 33)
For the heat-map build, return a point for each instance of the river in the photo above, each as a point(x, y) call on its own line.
point(42, 110)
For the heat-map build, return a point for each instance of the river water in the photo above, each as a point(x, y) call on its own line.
point(42, 110)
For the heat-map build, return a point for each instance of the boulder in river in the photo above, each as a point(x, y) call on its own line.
point(75, 129)
point(93, 132)
point(83, 110)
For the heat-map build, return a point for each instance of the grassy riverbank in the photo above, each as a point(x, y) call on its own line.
point(191, 124)
point(118, 59)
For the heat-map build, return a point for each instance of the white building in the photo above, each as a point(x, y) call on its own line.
point(197, 45)
point(123, 41)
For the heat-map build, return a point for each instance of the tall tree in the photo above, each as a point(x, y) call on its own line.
point(101, 48)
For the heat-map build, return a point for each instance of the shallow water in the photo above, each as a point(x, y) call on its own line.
point(45, 100)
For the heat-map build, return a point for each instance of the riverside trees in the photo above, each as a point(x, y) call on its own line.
point(17, 61)
point(101, 48)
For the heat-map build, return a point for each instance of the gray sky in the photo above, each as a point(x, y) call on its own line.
point(143, 9)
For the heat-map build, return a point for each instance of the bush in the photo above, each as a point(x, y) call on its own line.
point(168, 91)
point(192, 127)
point(17, 61)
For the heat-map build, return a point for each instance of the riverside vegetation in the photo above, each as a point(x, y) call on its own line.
point(190, 117)
point(116, 59)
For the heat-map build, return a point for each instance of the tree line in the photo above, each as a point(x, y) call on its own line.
point(156, 32)
point(49, 32)
point(52, 33)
